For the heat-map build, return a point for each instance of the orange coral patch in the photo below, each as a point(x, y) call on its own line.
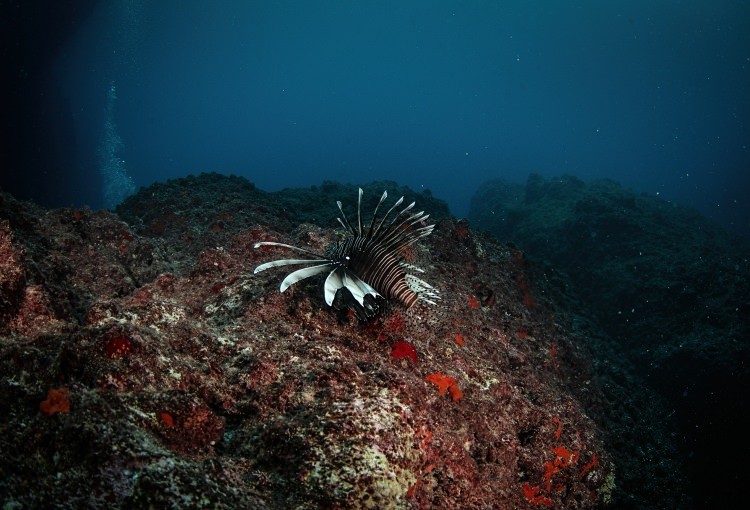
point(403, 349)
point(532, 496)
point(444, 384)
point(549, 470)
point(564, 456)
point(57, 402)
point(166, 420)
point(558, 432)
point(591, 465)
point(455, 391)
point(473, 302)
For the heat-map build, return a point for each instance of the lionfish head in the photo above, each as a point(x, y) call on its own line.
point(368, 268)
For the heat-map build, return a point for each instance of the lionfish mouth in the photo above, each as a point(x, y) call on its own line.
point(368, 268)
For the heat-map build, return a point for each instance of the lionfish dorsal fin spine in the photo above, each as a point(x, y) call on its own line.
point(359, 212)
point(375, 213)
point(390, 229)
point(395, 234)
point(405, 240)
point(413, 240)
point(380, 225)
point(346, 220)
point(403, 211)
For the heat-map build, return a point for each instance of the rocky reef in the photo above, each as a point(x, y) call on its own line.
point(671, 292)
point(144, 365)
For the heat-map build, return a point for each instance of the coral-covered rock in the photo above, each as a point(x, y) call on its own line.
point(192, 382)
point(35, 315)
point(12, 275)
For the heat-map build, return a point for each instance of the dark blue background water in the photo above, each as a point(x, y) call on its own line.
point(434, 94)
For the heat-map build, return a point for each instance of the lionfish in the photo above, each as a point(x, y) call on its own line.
point(366, 269)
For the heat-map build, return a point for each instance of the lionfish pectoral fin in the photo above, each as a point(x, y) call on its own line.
point(362, 299)
point(283, 262)
point(344, 289)
point(369, 308)
point(359, 288)
point(332, 284)
point(301, 274)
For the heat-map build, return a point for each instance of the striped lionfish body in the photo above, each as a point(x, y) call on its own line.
point(367, 268)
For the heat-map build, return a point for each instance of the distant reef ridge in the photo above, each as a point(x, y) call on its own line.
point(669, 287)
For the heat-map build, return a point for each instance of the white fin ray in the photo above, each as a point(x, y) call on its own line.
point(301, 274)
point(283, 262)
point(358, 287)
point(359, 212)
point(333, 283)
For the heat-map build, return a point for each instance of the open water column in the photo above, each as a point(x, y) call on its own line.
point(124, 19)
point(117, 185)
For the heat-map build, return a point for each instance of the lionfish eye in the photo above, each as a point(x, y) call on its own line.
point(367, 267)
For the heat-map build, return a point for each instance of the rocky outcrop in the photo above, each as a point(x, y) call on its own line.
point(145, 365)
point(670, 289)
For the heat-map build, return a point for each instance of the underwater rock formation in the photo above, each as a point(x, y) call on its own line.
point(670, 289)
point(145, 365)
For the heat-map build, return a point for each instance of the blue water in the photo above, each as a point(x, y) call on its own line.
point(441, 95)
